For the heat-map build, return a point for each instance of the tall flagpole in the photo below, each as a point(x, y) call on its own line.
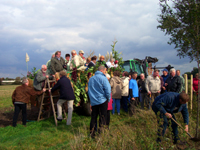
point(27, 59)
point(27, 66)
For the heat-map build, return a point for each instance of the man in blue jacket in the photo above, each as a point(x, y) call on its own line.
point(134, 93)
point(99, 91)
point(165, 106)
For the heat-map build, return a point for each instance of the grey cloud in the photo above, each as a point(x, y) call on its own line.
point(43, 26)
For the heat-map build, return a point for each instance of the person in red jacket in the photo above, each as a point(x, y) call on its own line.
point(109, 104)
point(195, 83)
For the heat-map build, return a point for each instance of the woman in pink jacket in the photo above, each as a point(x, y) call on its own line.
point(109, 105)
point(195, 83)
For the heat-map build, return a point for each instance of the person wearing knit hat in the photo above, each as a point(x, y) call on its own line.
point(164, 77)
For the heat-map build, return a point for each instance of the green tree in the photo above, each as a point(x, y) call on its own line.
point(180, 19)
point(188, 74)
point(194, 71)
point(117, 56)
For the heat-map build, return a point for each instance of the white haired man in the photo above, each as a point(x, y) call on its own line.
point(111, 63)
point(40, 77)
point(20, 98)
point(173, 82)
point(76, 61)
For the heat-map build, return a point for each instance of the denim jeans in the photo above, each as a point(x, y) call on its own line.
point(162, 126)
point(125, 103)
point(117, 101)
point(18, 108)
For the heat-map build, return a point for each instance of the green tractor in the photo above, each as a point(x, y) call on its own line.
point(140, 66)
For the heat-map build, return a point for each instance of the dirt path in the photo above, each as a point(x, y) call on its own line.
point(6, 116)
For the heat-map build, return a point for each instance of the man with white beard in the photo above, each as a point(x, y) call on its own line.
point(40, 78)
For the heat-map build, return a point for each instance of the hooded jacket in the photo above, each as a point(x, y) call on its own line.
point(98, 89)
point(116, 87)
point(125, 88)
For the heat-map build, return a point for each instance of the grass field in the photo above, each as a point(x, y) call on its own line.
point(137, 132)
point(5, 95)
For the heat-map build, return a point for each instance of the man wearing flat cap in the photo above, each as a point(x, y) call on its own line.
point(81, 53)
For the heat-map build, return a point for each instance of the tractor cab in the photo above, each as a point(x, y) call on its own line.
point(140, 66)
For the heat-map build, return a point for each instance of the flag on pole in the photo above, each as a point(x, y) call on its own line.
point(27, 57)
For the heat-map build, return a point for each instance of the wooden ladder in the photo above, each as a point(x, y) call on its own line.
point(49, 95)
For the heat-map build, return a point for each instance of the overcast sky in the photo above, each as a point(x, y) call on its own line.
point(41, 27)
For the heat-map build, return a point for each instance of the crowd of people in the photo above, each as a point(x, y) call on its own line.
point(124, 90)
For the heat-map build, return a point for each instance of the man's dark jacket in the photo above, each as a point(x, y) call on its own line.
point(174, 84)
point(57, 65)
point(141, 85)
point(169, 102)
point(66, 91)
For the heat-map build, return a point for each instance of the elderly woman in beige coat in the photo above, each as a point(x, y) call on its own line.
point(116, 90)
point(125, 91)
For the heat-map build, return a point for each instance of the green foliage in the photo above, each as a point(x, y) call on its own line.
point(17, 81)
point(32, 74)
point(194, 71)
point(79, 88)
point(117, 56)
point(188, 74)
point(181, 21)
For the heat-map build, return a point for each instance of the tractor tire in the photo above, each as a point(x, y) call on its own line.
point(86, 109)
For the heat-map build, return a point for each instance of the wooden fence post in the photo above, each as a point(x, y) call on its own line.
point(186, 85)
point(191, 91)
